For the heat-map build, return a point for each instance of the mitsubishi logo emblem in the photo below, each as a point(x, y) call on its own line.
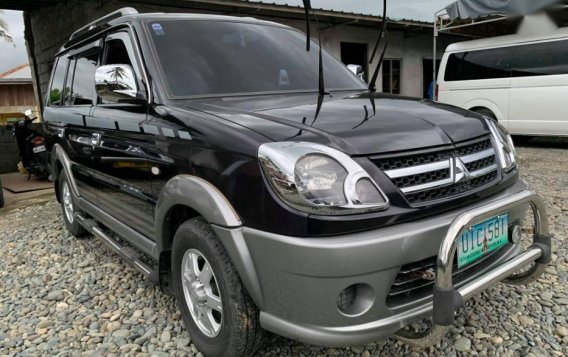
point(461, 173)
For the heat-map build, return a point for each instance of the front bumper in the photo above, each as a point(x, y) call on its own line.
point(295, 282)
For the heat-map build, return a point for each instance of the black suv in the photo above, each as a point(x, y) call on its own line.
point(200, 148)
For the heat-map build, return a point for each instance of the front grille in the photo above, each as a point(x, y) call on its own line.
point(415, 280)
point(443, 174)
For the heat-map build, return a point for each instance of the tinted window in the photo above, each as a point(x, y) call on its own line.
point(117, 53)
point(229, 57)
point(84, 81)
point(483, 64)
point(541, 59)
point(58, 81)
point(66, 95)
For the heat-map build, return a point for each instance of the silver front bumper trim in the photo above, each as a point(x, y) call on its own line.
point(447, 299)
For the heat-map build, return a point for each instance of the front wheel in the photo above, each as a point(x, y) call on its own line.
point(221, 318)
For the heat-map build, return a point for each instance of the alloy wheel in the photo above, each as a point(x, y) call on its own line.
point(201, 292)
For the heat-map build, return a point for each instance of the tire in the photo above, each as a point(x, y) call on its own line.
point(484, 111)
point(69, 207)
point(236, 330)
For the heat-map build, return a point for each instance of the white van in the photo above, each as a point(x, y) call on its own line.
point(519, 80)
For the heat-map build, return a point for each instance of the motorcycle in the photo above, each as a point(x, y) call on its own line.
point(31, 144)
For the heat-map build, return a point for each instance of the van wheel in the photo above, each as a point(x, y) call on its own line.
point(69, 207)
point(486, 112)
point(221, 318)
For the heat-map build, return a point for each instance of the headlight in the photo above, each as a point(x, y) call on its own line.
point(505, 146)
point(317, 179)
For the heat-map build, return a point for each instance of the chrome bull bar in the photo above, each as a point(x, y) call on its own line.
point(447, 299)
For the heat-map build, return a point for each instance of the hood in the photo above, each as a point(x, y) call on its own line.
point(346, 120)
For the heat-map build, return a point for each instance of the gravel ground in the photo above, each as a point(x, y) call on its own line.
point(67, 297)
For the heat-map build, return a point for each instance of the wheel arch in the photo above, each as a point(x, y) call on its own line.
point(185, 197)
point(188, 196)
point(488, 105)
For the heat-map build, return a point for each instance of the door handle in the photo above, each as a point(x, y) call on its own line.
point(95, 139)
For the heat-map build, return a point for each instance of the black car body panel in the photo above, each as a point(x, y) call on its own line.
point(142, 160)
point(347, 120)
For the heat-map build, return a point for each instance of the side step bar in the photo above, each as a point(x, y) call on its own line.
point(126, 253)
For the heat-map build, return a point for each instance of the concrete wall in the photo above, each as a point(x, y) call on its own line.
point(52, 26)
point(8, 151)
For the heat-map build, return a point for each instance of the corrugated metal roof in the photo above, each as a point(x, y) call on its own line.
point(261, 5)
point(21, 72)
point(332, 11)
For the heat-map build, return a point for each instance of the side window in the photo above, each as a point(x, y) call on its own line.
point(116, 53)
point(55, 92)
point(83, 84)
point(482, 64)
point(66, 95)
point(541, 59)
point(118, 50)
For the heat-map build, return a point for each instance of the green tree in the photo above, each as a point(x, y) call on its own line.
point(4, 30)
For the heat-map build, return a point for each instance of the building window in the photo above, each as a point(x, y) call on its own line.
point(391, 76)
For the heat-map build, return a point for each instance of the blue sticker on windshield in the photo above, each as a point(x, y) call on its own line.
point(158, 30)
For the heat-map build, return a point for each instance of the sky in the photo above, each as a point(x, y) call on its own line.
point(11, 56)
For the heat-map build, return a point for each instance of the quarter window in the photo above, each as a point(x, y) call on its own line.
point(118, 51)
point(391, 76)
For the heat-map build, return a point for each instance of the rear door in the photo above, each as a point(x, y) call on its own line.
point(539, 89)
point(123, 169)
point(69, 107)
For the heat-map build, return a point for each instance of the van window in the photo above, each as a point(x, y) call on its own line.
point(476, 65)
point(541, 59)
point(57, 82)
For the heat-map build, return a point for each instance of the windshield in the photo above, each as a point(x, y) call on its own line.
point(201, 58)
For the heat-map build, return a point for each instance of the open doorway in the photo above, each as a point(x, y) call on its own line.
point(355, 53)
point(427, 75)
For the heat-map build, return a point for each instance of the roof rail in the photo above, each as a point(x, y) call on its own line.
point(98, 24)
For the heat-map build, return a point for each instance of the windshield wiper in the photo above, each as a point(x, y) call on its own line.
point(321, 81)
point(373, 81)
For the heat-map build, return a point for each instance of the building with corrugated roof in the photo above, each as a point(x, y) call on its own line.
point(350, 37)
point(16, 93)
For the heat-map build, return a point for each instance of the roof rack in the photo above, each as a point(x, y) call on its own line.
point(99, 24)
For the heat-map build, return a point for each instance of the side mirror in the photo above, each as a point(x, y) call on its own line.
point(356, 69)
point(116, 83)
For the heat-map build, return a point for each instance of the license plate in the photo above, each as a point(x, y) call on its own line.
point(482, 239)
point(39, 149)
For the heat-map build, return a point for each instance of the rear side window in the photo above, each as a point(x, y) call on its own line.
point(476, 65)
point(55, 92)
point(541, 59)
